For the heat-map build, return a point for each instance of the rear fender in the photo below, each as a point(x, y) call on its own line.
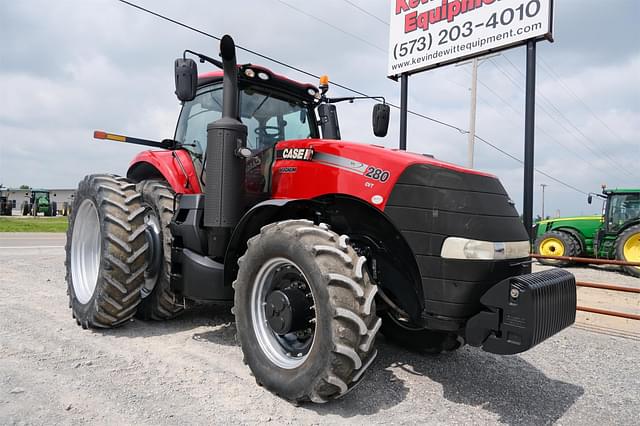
point(176, 167)
point(396, 271)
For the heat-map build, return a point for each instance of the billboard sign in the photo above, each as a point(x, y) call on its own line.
point(427, 34)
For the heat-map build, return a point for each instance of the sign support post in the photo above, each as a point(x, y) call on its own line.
point(404, 108)
point(529, 137)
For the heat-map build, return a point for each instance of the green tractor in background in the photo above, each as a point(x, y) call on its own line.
point(613, 235)
point(40, 202)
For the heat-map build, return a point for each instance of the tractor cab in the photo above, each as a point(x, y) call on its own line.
point(622, 208)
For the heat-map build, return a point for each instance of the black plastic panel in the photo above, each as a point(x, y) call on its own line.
point(429, 204)
point(198, 277)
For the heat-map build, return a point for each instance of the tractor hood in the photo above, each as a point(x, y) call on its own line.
point(572, 221)
point(313, 167)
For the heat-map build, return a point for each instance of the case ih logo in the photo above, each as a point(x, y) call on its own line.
point(296, 154)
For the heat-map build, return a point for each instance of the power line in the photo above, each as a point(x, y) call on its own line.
point(553, 117)
point(550, 136)
point(366, 12)
point(279, 62)
point(577, 130)
point(553, 74)
point(536, 169)
point(332, 26)
point(284, 64)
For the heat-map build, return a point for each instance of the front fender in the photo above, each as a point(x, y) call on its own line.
point(176, 167)
point(261, 214)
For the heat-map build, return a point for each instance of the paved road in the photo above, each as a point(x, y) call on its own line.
point(190, 371)
point(31, 243)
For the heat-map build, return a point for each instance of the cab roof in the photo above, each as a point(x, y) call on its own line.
point(305, 91)
point(622, 191)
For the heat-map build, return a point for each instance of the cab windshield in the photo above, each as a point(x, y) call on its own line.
point(269, 119)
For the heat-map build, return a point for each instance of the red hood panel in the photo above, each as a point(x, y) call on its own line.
point(368, 172)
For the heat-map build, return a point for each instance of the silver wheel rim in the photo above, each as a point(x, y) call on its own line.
point(85, 251)
point(272, 345)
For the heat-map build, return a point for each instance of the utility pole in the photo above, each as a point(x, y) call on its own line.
point(472, 113)
point(543, 185)
point(471, 142)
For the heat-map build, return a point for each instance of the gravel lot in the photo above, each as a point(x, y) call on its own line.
point(190, 371)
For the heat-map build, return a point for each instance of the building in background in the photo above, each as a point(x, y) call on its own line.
point(16, 196)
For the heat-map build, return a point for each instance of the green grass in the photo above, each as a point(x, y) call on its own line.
point(32, 224)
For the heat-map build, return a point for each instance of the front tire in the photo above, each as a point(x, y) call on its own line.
point(105, 251)
point(557, 243)
point(158, 301)
point(305, 311)
point(628, 249)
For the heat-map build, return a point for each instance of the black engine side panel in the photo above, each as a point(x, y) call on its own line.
point(429, 204)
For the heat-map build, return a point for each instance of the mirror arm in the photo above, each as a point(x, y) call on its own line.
point(353, 98)
point(203, 58)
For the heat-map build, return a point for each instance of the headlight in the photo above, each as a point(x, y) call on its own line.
point(463, 248)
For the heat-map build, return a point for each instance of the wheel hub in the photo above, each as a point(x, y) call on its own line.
point(552, 247)
point(287, 311)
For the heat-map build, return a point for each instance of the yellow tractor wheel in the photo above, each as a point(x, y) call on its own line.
point(628, 249)
point(557, 243)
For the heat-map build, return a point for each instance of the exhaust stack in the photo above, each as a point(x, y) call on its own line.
point(224, 191)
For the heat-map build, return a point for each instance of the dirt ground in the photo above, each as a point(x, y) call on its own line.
point(190, 370)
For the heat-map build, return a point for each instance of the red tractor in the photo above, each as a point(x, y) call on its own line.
point(318, 243)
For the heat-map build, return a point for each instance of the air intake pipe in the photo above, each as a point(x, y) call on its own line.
point(225, 170)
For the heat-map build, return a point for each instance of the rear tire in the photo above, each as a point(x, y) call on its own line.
point(106, 250)
point(25, 208)
point(628, 249)
point(333, 278)
point(557, 243)
point(158, 301)
point(416, 339)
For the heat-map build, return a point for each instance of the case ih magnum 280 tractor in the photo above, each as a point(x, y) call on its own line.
point(318, 243)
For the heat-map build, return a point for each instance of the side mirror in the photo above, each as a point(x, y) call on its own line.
point(590, 199)
point(329, 121)
point(186, 72)
point(380, 118)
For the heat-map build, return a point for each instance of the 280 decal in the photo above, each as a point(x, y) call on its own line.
point(377, 174)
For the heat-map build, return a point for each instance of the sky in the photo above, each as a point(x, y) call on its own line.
point(73, 66)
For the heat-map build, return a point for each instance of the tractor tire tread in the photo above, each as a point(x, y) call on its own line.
point(162, 303)
point(354, 323)
point(116, 295)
